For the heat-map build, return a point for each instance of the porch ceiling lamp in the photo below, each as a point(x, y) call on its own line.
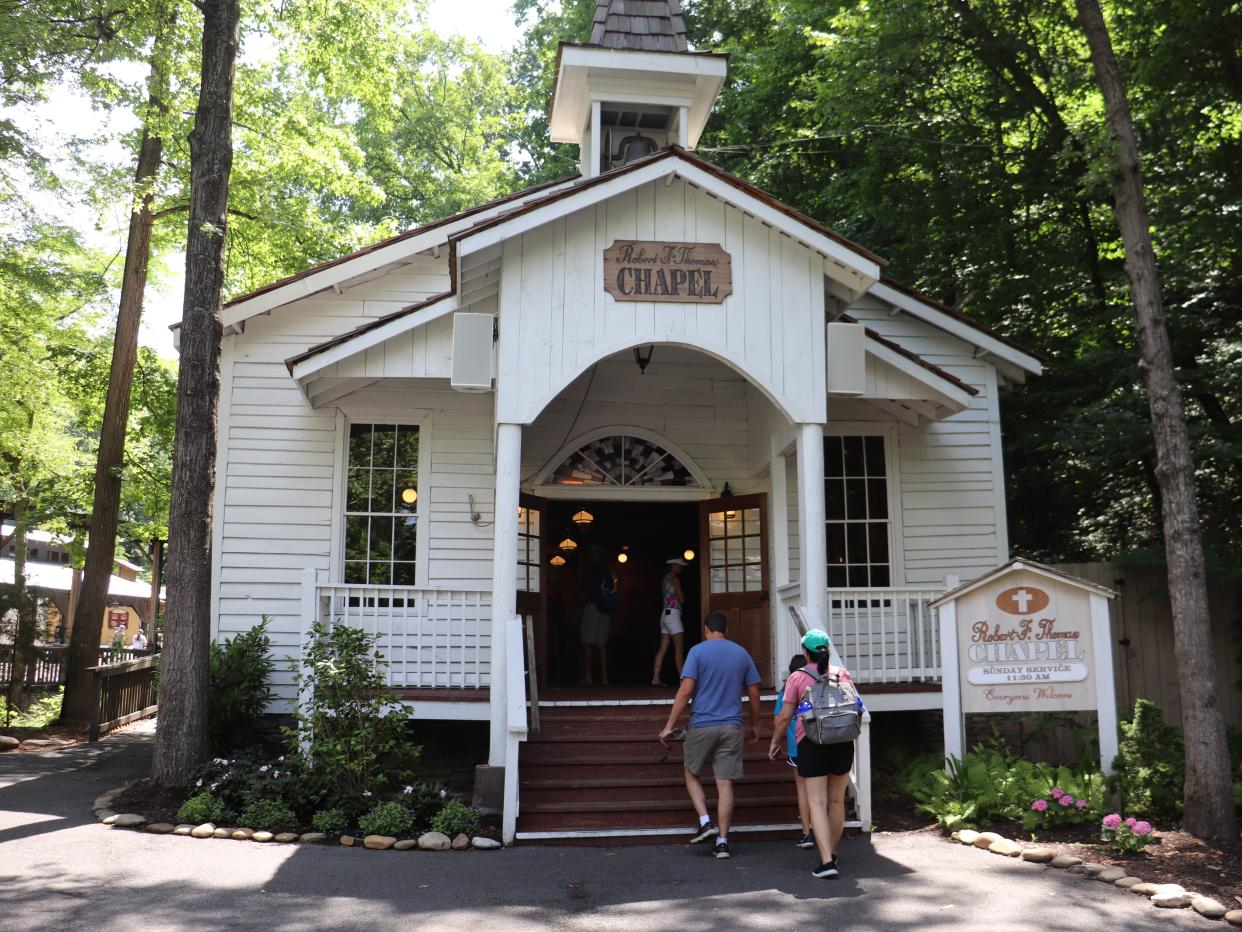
point(557, 560)
point(582, 518)
point(688, 555)
point(569, 545)
point(623, 557)
point(409, 496)
point(643, 360)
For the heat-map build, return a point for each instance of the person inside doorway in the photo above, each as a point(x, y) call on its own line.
point(671, 627)
point(599, 601)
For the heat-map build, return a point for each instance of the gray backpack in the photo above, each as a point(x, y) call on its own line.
point(830, 708)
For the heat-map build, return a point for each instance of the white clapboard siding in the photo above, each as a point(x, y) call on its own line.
point(952, 491)
point(556, 318)
point(278, 494)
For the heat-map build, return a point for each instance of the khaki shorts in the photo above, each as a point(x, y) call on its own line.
point(721, 744)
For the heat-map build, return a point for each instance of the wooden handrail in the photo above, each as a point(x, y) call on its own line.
point(103, 672)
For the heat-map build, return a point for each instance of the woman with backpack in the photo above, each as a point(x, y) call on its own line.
point(828, 717)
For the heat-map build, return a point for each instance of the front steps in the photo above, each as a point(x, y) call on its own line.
point(598, 774)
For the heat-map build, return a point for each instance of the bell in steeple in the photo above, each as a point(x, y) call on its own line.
point(634, 88)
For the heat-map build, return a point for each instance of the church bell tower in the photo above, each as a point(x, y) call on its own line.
point(634, 88)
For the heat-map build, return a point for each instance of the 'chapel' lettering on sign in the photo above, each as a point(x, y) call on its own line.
point(653, 270)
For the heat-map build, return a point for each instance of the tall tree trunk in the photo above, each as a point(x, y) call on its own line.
point(181, 739)
point(101, 551)
point(1208, 811)
point(23, 634)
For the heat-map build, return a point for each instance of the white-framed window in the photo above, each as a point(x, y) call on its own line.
point(859, 512)
point(381, 504)
point(528, 549)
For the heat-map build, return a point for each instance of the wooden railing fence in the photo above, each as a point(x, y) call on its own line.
point(122, 692)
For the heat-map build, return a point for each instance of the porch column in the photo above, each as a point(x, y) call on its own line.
point(812, 529)
point(504, 580)
point(782, 624)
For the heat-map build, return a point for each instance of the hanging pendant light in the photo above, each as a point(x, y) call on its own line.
point(623, 557)
point(569, 545)
point(688, 555)
point(557, 560)
point(582, 518)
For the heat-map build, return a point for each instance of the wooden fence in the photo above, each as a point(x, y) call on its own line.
point(121, 693)
point(48, 671)
point(1143, 660)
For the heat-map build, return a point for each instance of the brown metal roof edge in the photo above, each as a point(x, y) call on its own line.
point(670, 152)
point(289, 279)
point(367, 327)
point(914, 357)
point(959, 316)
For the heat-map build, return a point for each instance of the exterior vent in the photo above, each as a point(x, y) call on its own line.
point(472, 352)
point(847, 363)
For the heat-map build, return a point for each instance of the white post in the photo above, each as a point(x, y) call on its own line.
point(1105, 687)
point(812, 529)
point(591, 169)
point(862, 773)
point(951, 684)
point(683, 127)
point(504, 580)
point(778, 506)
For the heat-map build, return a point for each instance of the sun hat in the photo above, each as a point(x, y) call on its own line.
point(678, 561)
point(816, 640)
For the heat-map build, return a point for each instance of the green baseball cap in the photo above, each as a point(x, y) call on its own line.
point(815, 640)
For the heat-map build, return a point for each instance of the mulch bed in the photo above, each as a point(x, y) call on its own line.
point(1211, 869)
point(157, 803)
point(74, 734)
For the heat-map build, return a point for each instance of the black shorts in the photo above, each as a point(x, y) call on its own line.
point(823, 760)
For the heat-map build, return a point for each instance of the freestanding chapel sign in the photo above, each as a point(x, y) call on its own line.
point(1027, 638)
point(657, 270)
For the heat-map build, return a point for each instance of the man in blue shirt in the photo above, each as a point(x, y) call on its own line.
point(716, 673)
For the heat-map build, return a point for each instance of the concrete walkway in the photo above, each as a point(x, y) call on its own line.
point(59, 869)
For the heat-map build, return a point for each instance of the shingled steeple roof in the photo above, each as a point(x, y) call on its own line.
point(642, 25)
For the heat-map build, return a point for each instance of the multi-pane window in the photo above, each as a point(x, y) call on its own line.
point(528, 550)
point(381, 505)
point(734, 549)
point(856, 498)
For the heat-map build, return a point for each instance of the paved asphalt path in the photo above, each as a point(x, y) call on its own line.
point(61, 870)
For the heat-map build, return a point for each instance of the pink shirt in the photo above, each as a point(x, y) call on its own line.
point(797, 683)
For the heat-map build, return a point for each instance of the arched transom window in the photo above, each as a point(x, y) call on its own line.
point(621, 460)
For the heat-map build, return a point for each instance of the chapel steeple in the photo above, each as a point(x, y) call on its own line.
point(635, 87)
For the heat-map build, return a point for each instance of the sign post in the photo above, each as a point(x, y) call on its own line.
point(1027, 638)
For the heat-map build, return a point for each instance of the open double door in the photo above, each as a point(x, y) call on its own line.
point(732, 561)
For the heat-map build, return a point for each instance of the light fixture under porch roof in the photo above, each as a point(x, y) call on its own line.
point(557, 560)
point(582, 517)
point(569, 545)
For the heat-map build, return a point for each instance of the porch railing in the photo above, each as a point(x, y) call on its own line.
point(46, 672)
point(886, 635)
point(122, 693)
point(431, 638)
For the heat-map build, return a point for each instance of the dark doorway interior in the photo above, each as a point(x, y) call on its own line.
point(648, 533)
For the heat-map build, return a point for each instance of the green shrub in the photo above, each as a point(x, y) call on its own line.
point(992, 785)
point(330, 820)
point(237, 690)
point(355, 728)
point(249, 778)
point(204, 807)
point(387, 819)
point(456, 818)
point(1150, 766)
point(424, 801)
point(269, 815)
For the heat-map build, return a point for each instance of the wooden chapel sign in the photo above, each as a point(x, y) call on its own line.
point(657, 270)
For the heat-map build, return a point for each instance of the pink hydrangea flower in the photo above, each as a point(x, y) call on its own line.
point(1141, 828)
point(1112, 820)
point(1040, 805)
point(1130, 822)
point(1057, 792)
point(1081, 804)
point(1065, 799)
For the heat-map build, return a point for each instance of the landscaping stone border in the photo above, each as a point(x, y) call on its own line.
point(1163, 895)
point(430, 841)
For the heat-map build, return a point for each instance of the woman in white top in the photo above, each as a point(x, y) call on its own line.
point(671, 628)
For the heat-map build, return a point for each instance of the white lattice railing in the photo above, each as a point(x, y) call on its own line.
point(886, 635)
point(431, 638)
